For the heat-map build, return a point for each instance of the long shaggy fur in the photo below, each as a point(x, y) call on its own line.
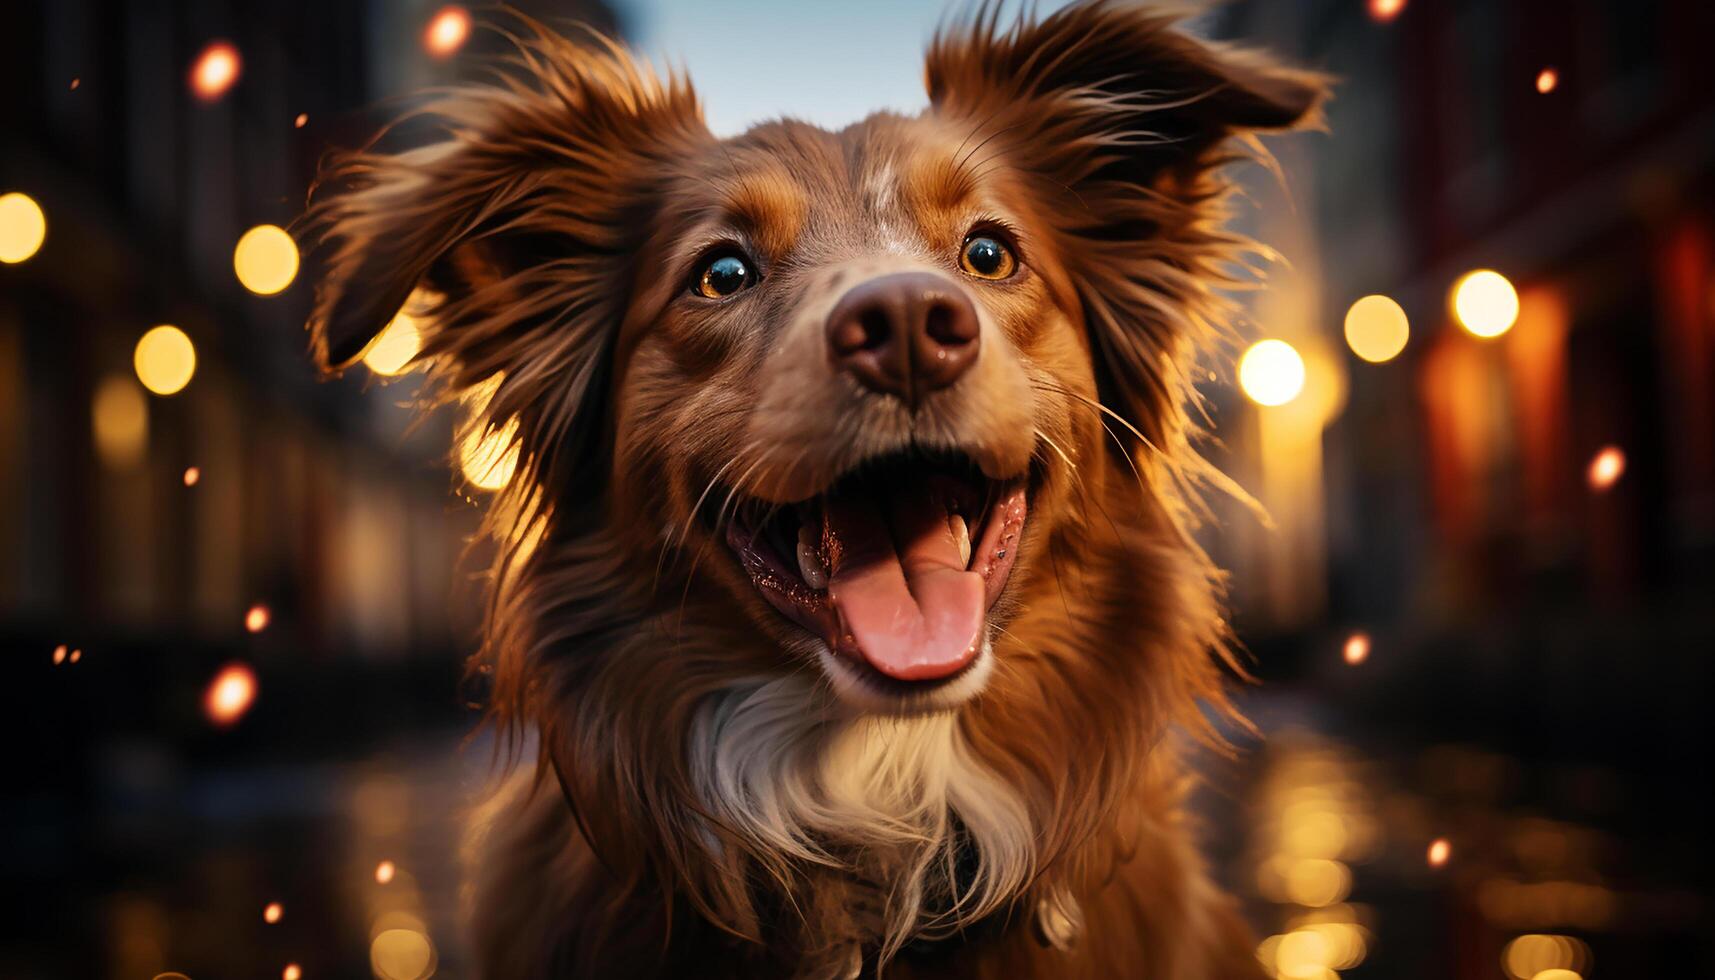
point(706, 801)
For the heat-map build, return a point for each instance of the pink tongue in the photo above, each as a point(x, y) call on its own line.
point(898, 587)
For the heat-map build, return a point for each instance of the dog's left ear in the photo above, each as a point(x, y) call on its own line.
point(1114, 85)
point(1120, 122)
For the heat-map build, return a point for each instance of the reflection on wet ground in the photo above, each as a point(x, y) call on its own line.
point(1352, 859)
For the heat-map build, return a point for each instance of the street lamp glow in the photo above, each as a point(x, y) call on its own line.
point(266, 259)
point(165, 360)
point(1485, 303)
point(23, 227)
point(1271, 372)
point(1377, 329)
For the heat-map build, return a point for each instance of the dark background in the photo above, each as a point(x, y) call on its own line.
point(1537, 681)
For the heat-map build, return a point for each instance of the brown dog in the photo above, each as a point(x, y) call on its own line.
point(846, 575)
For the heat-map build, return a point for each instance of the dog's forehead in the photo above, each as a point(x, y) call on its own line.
point(795, 186)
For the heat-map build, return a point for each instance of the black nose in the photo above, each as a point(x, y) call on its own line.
point(904, 334)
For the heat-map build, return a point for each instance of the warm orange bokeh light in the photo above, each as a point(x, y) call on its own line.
point(256, 619)
point(60, 654)
point(215, 71)
point(298, 123)
point(447, 31)
point(1377, 328)
point(1547, 80)
point(192, 475)
point(165, 359)
point(76, 655)
point(1385, 10)
point(1485, 303)
point(23, 227)
point(291, 972)
point(1439, 852)
point(271, 912)
point(230, 694)
point(384, 872)
point(1357, 648)
point(1606, 468)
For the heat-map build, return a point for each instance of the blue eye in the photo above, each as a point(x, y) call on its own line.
point(722, 277)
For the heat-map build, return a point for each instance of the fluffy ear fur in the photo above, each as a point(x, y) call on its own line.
point(1122, 122)
point(520, 223)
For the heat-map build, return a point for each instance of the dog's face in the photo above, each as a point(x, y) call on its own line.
point(840, 384)
point(852, 382)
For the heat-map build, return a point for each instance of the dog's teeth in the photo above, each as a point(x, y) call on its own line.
point(961, 537)
point(810, 566)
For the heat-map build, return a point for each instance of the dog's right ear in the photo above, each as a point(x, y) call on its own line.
point(516, 222)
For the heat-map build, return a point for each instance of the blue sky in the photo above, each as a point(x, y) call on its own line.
point(829, 63)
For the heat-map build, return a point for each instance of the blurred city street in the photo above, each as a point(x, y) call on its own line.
point(1476, 402)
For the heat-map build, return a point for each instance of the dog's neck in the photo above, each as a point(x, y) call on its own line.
point(896, 812)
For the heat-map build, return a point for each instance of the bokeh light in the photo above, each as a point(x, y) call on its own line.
point(1485, 303)
point(402, 954)
point(119, 418)
point(1606, 468)
point(256, 618)
point(266, 259)
point(60, 654)
point(1383, 11)
point(1271, 372)
point(192, 476)
point(391, 352)
point(1302, 955)
point(272, 912)
point(165, 360)
point(298, 123)
point(1357, 648)
point(1439, 852)
point(384, 872)
point(230, 694)
point(292, 972)
point(23, 227)
point(1529, 956)
point(447, 31)
point(487, 456)
point(215, 71)
point(1315, 882)
point(1547, 80)
point(1377, 329)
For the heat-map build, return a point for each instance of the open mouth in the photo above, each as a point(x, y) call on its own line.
point(895, 566)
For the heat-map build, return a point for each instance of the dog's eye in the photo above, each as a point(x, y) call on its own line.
point(987, 257)
point(722, 276)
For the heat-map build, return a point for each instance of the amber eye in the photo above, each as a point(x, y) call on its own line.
point(722, 276)
point(987, 257)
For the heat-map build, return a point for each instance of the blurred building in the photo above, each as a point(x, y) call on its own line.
point(1519, 527)
point(317, 502)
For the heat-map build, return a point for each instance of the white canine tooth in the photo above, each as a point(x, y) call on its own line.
point(961, 537)
point(809, 566)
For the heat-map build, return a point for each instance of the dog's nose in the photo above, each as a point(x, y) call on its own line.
point(904, 334)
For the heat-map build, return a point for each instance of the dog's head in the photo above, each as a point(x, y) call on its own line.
point(895, 412)
point(857, 377)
